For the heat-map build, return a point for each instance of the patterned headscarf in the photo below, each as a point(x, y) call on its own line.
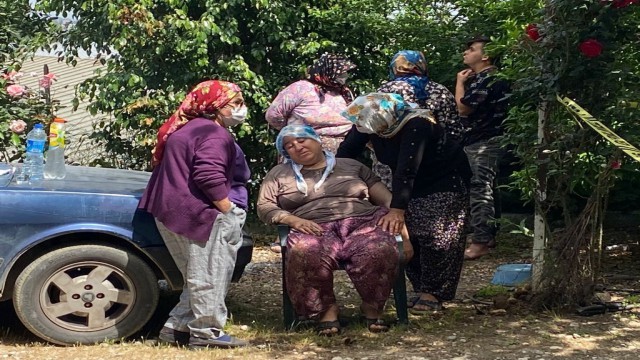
point(326, 69)
point(202, 101)
point(382, 114)
point(303, 131)
point(411, 66)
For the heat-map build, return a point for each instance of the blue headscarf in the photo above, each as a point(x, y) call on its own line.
point(410, 66)
point(303, 131)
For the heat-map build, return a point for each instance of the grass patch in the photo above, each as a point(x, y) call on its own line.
point(491, 291)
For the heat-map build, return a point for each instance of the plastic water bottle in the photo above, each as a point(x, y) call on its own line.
point(54, 166)
point(33, 167)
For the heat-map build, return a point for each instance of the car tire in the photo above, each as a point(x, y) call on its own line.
point(85, 294)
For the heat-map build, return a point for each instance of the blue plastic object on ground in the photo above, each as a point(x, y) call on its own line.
point(512, 274)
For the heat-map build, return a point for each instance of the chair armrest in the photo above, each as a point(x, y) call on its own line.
point(399, 242)
point(283, 232)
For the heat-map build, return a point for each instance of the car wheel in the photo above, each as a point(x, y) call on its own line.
point(85, 294)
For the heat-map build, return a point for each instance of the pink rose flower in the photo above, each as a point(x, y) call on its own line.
point(591, 48)
point(46, 80)
point(15, 90)
point(18, 126)
point(12, 76)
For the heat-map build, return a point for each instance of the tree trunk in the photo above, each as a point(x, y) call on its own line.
point(540, 221)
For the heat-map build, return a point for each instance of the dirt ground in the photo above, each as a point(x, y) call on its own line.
point(464, 330)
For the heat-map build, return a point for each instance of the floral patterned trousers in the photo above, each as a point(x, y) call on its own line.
point(368, 254)
point(436, 227)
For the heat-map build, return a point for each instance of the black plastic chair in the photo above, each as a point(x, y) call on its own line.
point(399, 288)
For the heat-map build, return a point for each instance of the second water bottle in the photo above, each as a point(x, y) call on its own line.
point(54, 167)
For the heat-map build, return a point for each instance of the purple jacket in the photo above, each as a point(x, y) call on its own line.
point(197, 168)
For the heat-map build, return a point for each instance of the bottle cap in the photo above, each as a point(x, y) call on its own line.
point(59, 120)
point(38, 126)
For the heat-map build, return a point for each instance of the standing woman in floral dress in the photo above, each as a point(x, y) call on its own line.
point(317, 101)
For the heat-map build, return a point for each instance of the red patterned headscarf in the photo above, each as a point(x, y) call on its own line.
point(326, 69)
point(202, 101)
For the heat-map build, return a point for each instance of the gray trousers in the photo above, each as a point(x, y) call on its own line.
point(206, 268)
point(484, 157)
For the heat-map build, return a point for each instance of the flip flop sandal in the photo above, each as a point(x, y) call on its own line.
point(325, 328)
point(432, 306)
point(376, 325)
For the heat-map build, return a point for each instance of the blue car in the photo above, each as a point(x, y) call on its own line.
point(76, 268)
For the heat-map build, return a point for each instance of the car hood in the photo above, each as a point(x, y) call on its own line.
point(93, 180)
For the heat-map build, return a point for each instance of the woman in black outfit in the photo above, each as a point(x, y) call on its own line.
point(430, 189)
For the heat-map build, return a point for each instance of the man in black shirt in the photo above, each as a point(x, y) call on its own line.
point(481, 98)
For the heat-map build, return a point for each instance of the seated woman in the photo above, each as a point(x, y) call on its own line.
point(333, 207)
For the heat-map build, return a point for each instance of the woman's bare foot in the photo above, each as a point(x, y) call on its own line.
point(476, 251)
point(373, 319)
point(426, 304)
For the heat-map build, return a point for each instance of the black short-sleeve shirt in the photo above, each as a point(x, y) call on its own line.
point(488, 97)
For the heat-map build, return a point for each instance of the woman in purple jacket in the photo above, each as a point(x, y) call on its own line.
point(198, 197)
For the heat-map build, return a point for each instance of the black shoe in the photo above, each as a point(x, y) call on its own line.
point(173, 337)
point(224, 341)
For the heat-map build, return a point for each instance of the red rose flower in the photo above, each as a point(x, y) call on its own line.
point(591, 48)
point(532, 32)
point(616, 164)
point(619, 3)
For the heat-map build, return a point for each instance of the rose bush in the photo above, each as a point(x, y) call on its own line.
point(20, 109)
point(23, 31)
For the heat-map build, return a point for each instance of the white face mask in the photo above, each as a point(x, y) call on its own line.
point(238, 115)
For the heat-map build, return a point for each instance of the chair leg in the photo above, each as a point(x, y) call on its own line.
point(288, 314)
point(400, 297)
point(400, 287)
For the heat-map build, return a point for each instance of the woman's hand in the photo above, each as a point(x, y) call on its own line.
point(393, 221)
point(224, 205)
point(304, 226)
point(407, 247)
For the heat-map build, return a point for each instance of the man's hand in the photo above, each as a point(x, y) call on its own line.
point(463, 110)
point(464, 75)
point(393, 221)
point(304, 226)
